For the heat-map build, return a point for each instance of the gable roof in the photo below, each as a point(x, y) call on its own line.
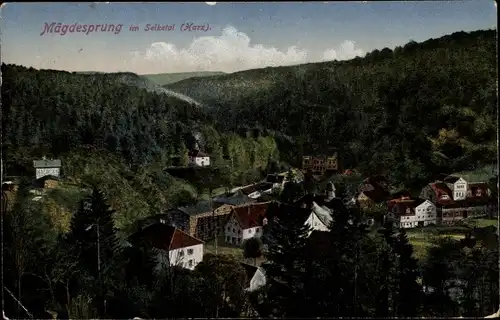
point(198, 208)
point(441, 188)
point(324, 214)
point(236, 199)
point(197, 153)
point(261, 186)
point(376, 195)
point(162, 236)
point(56, 163)
point(451, 179)
point(250, 216)
point(405, 207)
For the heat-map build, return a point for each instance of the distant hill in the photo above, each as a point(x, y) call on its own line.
point(162, 79)
point(418, 108)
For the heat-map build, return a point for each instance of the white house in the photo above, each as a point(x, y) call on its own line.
point(413, 213)
point(319, 219)
point(47, 167)
point(459, 189)
point(183, 250)
point(245, 222)
point(198, 158)
point(258, 280)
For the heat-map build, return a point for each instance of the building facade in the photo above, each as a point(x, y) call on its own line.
point(319, 164)
point(46, 167)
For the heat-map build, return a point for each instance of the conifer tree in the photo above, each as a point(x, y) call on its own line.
point(286, 271)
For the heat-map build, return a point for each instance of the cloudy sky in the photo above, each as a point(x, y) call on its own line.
point(236, 36)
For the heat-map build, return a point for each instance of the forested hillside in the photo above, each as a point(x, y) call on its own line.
point(109, 130)
point(409, 112)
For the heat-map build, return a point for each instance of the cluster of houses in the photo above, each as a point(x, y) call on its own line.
point(244, 212)
point(446, 201)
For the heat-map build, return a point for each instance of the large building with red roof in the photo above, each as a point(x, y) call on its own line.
point(246, 222)
point(457, 199)
point(183, 250)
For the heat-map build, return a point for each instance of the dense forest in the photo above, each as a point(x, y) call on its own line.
point(410, 112)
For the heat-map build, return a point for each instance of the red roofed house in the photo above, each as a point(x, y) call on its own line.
point(183, 250)
point(457, 199)
point(373, 190)
point(246, 222)
point(411, 213)
point(198, 158)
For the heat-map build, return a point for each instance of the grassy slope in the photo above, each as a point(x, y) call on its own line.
point(479, 175)
point(162, 79)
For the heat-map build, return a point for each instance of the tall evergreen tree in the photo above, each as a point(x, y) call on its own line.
point(286, 271)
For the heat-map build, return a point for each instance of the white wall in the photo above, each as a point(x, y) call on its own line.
point(185, 258)
point(460, 189)
point(252, 232)
point(426, 212)
point(199, 161)
point(316, 224)
point(42, 172)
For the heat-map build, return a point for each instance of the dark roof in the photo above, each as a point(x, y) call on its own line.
point(250, 216)
point(451, 179)
point(199, 208)
point(162, 236)
point(377, 194)
point(197, 153)
point(401, 207)
point(377, 180)
point(47, 163)
point(278, 208)
point(237, 199)
point(261, 186)
point(440, 188)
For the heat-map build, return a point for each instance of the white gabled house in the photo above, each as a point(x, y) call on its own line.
point(245, 222)
point(198, 158)
point(319, 219)
point(46, 167)
point(183, 250)
point(412, 213)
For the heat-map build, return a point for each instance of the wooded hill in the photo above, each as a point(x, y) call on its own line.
point(410, 112)
point(116, 131)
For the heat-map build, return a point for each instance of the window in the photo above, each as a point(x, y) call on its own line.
point(228, 229)
point(249, 230)
point(257, 229)
point(181, 253)
point(228, 238)
point(162, 221)
point(190, 251)
point(234, 230)
point(190, 263)
point(239, 231)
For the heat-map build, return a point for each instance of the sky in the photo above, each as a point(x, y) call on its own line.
point(223, 36)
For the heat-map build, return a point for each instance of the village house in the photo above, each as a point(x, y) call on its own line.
point(320, 164)
point(319, 219)
point(411, 213)
point(257, 190)
point(246, 222)
point(198, 158)
point(47, 167)
point(183, 250)
point(372, 191)
point(202, 220)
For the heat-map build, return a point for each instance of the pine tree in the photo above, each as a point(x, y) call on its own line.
point(409, 297)
point(93, 237)
point(286, 272)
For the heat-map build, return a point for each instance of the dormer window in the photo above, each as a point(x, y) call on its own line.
point(479, 193)
point(445, 197)
point(407, 210)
